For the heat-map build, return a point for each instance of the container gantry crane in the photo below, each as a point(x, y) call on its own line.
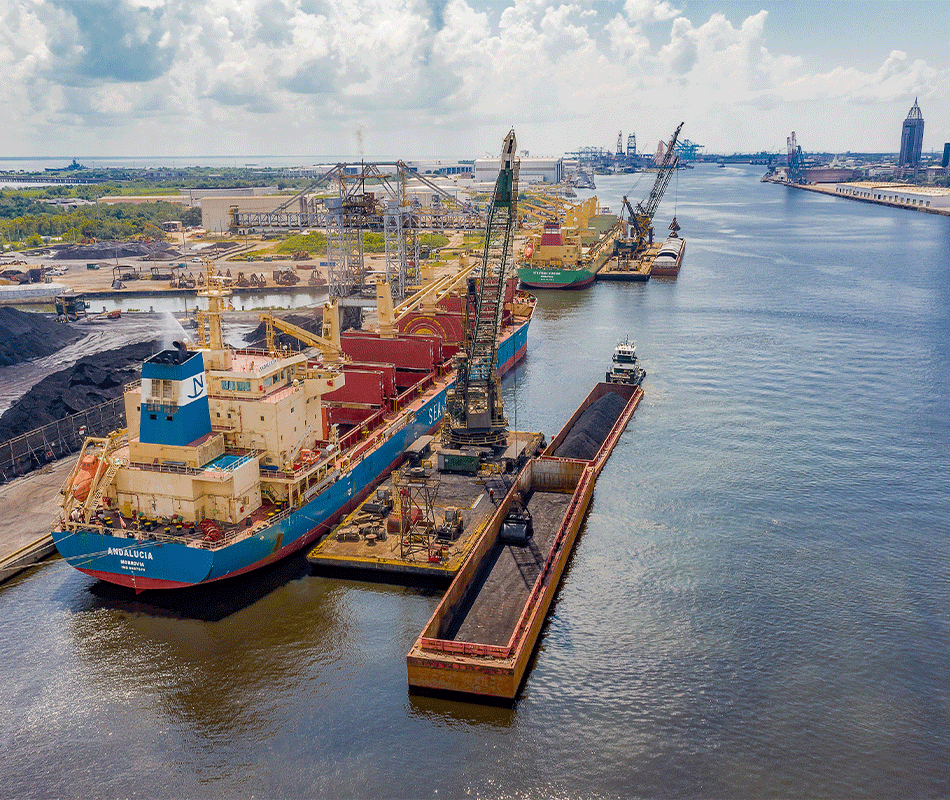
point(475, 414)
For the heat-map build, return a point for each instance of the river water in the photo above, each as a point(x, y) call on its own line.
point(757, 605)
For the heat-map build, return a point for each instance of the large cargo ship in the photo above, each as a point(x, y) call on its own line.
point(569, 253)
point(234, 459)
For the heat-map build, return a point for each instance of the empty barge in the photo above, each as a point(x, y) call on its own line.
point(480, 638)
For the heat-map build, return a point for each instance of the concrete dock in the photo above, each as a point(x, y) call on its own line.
point(29, 507)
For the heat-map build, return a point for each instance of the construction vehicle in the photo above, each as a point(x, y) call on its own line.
point(286, 277)
point(451, 527)
point(639, 221)
point(475, 415)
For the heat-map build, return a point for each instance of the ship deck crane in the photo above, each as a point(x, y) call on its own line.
point(640, 219)
point(331, 350)
point(474, 412)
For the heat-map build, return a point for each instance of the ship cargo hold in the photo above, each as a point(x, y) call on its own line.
point(480, 638)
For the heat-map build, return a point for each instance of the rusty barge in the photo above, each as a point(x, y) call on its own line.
point(480, 638)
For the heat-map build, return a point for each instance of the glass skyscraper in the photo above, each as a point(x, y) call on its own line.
point(912, 138)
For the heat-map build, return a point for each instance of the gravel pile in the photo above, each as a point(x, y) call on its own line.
point(25, 336)
point(591, 429)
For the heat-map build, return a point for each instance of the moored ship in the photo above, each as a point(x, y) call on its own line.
point(569, 253)
point(234, 459)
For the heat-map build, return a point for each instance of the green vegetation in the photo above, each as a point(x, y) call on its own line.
point(23, 215)
point(473, 240)
point(434, 240)
point(23, 219)
point(314, 243)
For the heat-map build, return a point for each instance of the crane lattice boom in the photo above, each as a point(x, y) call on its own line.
point(475, 414)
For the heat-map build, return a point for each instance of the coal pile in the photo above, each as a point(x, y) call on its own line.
point(591, 428)
point(25, 336)
point(91, 381)
point(101, 251)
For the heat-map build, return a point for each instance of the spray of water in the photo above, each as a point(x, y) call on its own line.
point(171, 330)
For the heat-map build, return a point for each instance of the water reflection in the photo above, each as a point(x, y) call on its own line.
point(207, 603)
point(454, 714)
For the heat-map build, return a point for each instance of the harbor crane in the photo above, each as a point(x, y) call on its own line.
point(474, 414)
point(796, 161)
point(640, 219)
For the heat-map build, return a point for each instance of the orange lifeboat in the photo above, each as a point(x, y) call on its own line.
point(82, 480)
point(529, 250)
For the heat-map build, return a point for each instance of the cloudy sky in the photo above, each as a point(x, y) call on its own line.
point(446, 78)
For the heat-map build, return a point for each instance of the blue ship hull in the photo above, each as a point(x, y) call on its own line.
point(147, 564)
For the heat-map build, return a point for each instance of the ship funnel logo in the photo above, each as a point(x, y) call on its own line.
point(198, 387)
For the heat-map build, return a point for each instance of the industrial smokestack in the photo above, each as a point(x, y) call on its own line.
point(182, 352)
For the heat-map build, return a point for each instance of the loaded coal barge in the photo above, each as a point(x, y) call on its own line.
point(480, 639)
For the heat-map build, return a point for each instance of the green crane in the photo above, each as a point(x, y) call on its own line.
point(475, 414)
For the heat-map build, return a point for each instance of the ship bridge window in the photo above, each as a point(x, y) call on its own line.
point(236, 386)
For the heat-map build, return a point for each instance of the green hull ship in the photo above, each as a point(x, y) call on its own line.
point(569, 255)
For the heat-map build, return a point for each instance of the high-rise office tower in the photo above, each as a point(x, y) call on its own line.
point(912, 138)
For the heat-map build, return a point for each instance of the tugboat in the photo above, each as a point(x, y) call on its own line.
point(625, 368)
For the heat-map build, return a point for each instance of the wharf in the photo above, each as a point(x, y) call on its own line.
point(364, 541)
point(28, 509)
point(479, 640)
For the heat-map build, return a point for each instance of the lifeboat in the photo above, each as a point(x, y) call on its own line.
point(84, 476)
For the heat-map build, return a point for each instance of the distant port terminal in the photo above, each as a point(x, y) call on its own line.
point(912, 180)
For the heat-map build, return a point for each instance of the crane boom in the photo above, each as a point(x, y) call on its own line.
point(474, 411)
point(641, 218)
point(331, 350)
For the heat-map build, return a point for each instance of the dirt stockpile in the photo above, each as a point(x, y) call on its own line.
point(91, 381)
point(25, 336)
point(591, 429)
point(111, 250)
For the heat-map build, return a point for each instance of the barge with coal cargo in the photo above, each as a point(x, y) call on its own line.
point(479, 641)
point(234, 459)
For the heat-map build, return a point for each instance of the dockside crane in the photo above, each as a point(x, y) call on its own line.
point(475, 414)
point(640, 219)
